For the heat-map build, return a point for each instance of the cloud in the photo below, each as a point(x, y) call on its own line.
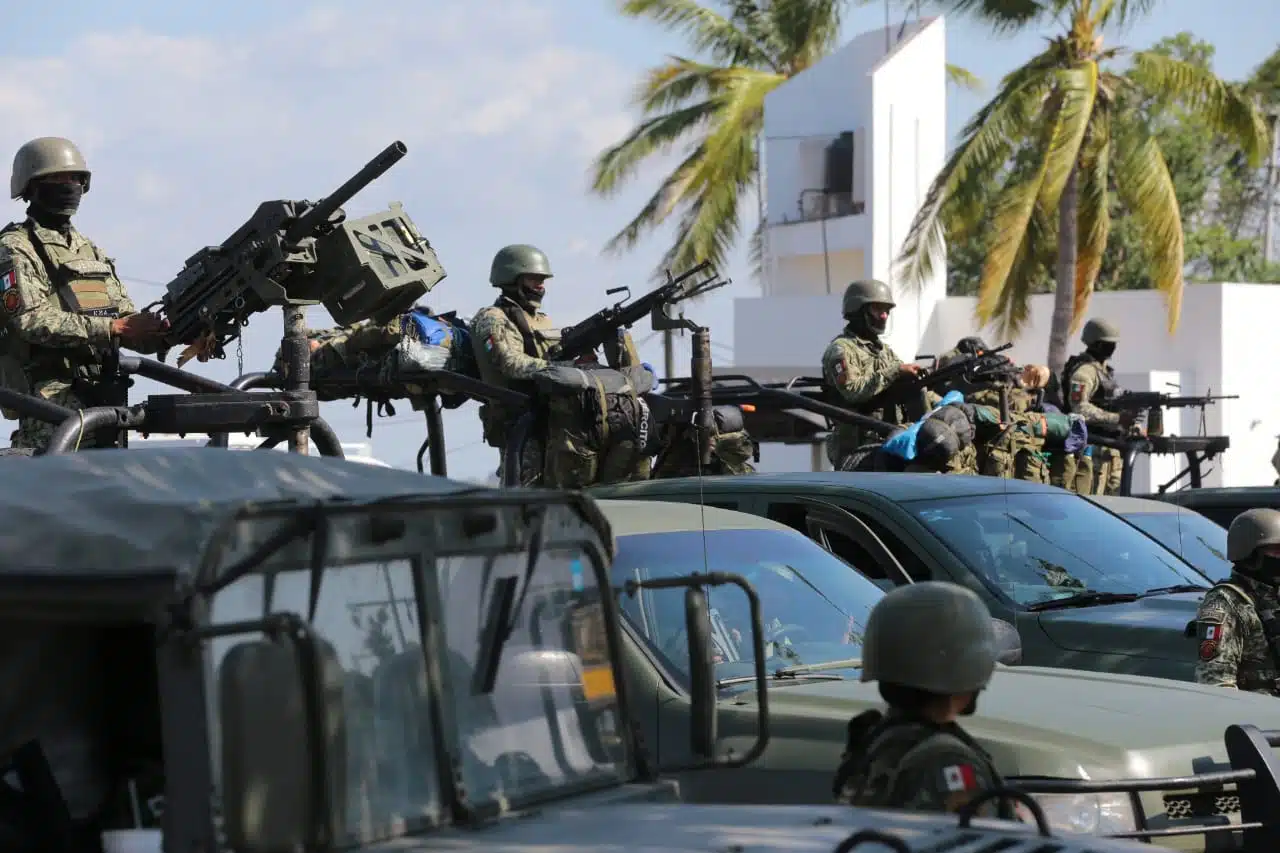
point(501, 103)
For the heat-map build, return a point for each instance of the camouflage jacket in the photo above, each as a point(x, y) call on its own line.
point(1232, 644)
point(1088, 383)
point(908, 764)
point(59, 294)
point(507, 355)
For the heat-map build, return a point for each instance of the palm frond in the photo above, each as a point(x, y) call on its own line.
point(1013, 304)
point(986, 143)
point(805, 30)
point(650, 137)
point(659, 206)
point(963, 78)
point(1001, 15)
point(707, 30)
point(1222, 107)
point(1146, 189)
point(674, 83)
point(1009, 225)
point(739, 116)
point(1075, 92)
point(1093, 214)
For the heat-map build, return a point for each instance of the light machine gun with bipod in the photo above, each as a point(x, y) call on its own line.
point(289, 254)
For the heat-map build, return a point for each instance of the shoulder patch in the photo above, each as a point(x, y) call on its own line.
point(1077, 391)
point(840, 369)
point(957, 778)
point(1211, 635)
point(10, 293)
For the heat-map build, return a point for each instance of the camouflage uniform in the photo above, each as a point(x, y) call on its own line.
point(512, 339)
point(732, 448)
point(1236, 622)
point(1089, 382)
point(935, 643)
point(60, 296)
point(857, 367)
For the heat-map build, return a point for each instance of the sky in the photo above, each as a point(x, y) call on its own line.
point(192, 114)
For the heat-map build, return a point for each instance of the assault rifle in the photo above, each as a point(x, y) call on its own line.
point(1155, 402)
point(302, 253)
point(909, 391)
point(603, 326)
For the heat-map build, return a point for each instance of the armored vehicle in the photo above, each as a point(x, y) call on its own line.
point(213, 650)
point(1105, 754)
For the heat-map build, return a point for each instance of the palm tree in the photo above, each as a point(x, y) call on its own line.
point(715, 107)
point(1035, 165)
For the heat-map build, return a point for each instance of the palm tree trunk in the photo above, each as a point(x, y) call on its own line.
point(1064, 291)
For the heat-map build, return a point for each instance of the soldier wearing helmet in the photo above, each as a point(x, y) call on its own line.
point(1237, 630)
point(512, 339)
point(932, 648)
point(858, 367)
point(64, 308)
point(1089, 383)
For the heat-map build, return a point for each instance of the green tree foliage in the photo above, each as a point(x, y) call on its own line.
point(1068, 138)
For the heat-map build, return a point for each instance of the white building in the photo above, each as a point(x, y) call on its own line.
point(891, 104)
point(353, 451)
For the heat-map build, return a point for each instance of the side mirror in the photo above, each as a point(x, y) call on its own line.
point(282, 733)
point(1008, 643)
point(702, 677)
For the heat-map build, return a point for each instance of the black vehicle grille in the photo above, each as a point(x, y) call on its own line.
point(1204, 804)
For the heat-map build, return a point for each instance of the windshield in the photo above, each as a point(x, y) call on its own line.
point(1201, 543)
point(548, 727)
point(813, 605)
point(551, 721)
point(1037, 547)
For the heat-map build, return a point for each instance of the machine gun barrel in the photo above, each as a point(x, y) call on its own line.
point(307, 223)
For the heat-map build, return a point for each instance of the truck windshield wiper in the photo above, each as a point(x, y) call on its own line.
point(1180, 587)
point(1084, 599)
point(816, 671)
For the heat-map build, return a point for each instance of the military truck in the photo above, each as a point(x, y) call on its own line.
point(1105, 754)
point(215, 650)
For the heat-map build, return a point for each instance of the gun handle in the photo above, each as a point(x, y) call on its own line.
point(1155, 421)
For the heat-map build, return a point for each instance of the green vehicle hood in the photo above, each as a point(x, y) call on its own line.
point(1071, 724)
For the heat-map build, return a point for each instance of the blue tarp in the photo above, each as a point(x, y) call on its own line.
point(903, 445)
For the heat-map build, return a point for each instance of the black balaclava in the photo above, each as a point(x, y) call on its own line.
point(53, 203)
point(866, 325)
point(1102, 350)
point(526, 292)
point(1261, 568)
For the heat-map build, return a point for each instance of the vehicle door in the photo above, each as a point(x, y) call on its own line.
point(841, 533)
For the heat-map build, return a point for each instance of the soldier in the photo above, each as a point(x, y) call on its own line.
point(1236, 624)
point(64, 308)
point(932, 647)
point(858, 367)
point(512, 339)
point(1089, 383)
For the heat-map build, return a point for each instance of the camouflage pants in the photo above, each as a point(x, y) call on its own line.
point(964, 462)
point(572, 463)
point(1071, 471)
point(1108, 469)
point(34, 435)
point(531, 463)
point(732, 453)
point(1014, 455)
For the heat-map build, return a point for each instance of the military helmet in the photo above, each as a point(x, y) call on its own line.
point(517, 260)
point(1251, 530)
point(1099, 331)
point(48, 155)
point(865, 292)
point(930, 636)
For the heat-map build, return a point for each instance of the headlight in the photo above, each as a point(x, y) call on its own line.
point(1087, 814)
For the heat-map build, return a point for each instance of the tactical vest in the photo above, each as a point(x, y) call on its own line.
point(84, 280)
point(538, 336)
point(1107, 386)
point(1270, 629)
point(847, 439)
point(887, 741)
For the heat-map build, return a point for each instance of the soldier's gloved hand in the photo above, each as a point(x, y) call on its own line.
point(139, 327)
point(1128, 418)
point(909, 369)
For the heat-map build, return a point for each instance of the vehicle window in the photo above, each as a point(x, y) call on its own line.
point(796, 515)
point(852, 552)
point(551, 721)
point(911, 564)
point(1221, 515)
point(368, 613)
point(1036, 547)
point(813, 607)
point(1201, 543)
